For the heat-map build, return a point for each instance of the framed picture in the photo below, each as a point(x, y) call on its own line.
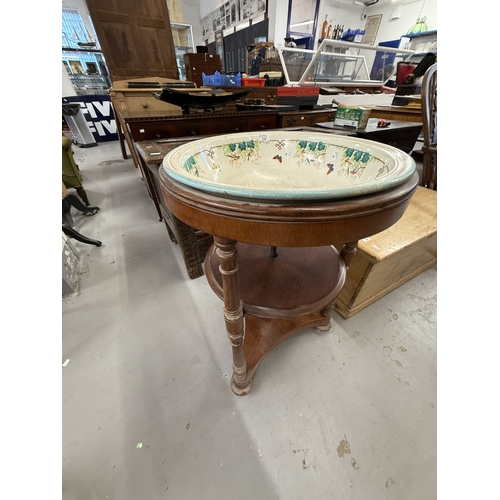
point(371, 29)
point(219, 46)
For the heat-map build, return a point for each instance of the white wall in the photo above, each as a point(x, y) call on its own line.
point(392, 30)
point(350, 15)
point(191, 14)
point(346, 13)
point(278, 17)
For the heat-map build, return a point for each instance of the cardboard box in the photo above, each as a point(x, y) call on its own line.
point(352, 117)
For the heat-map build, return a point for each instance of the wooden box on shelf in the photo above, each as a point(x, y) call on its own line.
point(389, 259)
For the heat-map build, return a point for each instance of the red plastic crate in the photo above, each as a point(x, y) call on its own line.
point(253, 82)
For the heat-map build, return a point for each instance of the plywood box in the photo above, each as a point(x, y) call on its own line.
point(388, 259)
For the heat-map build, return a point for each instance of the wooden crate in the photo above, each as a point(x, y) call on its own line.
point(388, 259)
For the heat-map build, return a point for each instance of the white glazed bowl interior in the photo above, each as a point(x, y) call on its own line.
point(288, 165)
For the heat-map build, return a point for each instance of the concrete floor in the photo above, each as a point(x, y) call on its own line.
point(147, 408)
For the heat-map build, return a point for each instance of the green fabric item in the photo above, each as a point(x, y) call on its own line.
point(70, 173)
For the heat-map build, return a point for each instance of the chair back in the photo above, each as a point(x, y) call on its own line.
point(429, 105)
point(429, 120)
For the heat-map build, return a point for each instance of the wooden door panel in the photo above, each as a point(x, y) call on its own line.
point(135, 37)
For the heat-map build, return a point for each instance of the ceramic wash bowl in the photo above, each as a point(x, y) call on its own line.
point(288, 165)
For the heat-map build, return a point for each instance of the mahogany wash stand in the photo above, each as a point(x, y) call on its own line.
point(274, 264)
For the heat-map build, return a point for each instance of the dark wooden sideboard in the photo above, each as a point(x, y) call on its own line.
point(399, 134)
point(154, 125)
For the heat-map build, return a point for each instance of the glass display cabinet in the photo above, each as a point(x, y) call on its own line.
point(183, 43)
point(339, 63)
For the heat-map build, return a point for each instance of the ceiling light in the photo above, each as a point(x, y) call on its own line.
point(365, 3)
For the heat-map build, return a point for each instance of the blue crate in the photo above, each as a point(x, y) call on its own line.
point(221, 80)
point(352, 35)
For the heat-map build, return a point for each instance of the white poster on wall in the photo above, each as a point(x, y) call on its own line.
point(231, 13)
point(249, 9)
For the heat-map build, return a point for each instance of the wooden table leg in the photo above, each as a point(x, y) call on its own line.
point(254, 292)
point(326, 313)
point(146, 175)
point(348, 251)
point(233, 313)
point(119, 132)
point(121, 138)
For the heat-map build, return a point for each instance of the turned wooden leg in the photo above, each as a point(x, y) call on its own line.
point(326, 313)
point(233, 313)
point(348, 251)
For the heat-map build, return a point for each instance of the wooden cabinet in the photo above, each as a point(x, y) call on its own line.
point(399, 134)
point(142, 127)
point(262, 122)
point(150, 125)
point(197, 64)
point(305, 118)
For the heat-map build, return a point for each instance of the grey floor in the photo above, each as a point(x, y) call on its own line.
point(147, 408)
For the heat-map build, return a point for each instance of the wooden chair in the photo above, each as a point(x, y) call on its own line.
point(429, 119)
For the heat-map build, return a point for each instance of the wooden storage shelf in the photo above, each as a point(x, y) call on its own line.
point(389, 259)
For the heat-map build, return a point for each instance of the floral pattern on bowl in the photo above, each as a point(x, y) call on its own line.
point(288, 165)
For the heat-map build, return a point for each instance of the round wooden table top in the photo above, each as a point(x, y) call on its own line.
point(299, 224)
